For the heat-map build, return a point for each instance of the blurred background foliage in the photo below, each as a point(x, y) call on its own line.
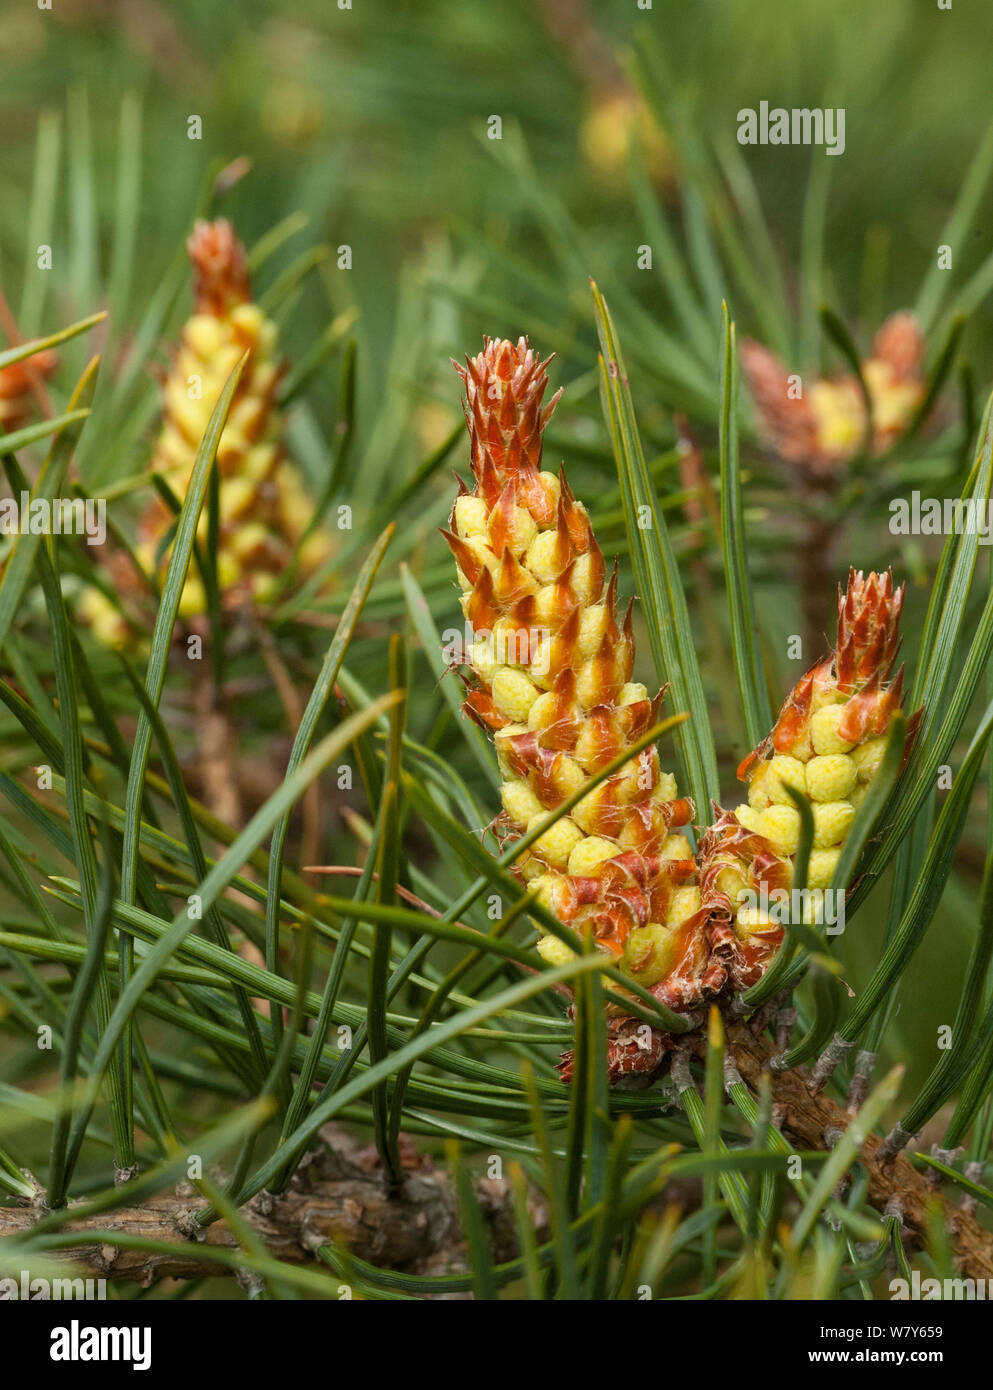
point(372, 121)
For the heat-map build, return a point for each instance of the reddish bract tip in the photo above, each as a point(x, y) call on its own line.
point(868, 630)
point(220, 266)
point(504, 385)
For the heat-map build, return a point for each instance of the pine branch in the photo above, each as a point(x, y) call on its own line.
point(812, 1121)
point(339, 1196)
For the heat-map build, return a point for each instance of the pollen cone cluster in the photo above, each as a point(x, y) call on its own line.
point(828, 743)
point(551, 662)
point(264, 505)
point(821, 423)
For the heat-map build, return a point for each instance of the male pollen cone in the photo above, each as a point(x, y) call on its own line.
point(551, 667)
point(828, 743)
point(265, 505)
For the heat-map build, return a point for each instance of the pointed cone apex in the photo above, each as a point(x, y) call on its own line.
point(221, 267)
point(868, 629)
point(504, 387)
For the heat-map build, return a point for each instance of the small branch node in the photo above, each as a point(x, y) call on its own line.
point(187, 1225)
point(785, 1023)
point(897, 1140)
point(732, 1076)
point(865, 1063)
point(251, 1281)
point(835, 1052)
point(680, 1070)
point(973, 1170)
point(947, 1156)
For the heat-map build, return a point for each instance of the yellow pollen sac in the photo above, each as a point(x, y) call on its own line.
point(832, 822)
point(751, 919)
point(529, 867)
point(540, 667)
point(523, 530)
point(520, 802)
point(542, 712)
point(557, 843)
point(258, 462)
point(510, 643)
point(768, 786)
point(553, 951)
point(483, 659)
point(589, 852)
point(501, 744)
point(749, 817)
point(263, 587)
point(868, 758)
point(545, 886)
point(204, 334)
point(547, 612)
point(593, 623)
point(513, 694)
point(781, 826)
point(824, 730)
point(632, 693)
point(551, 487)
point(567, 776)
point(583, 573)
point(830, 777)
point(812, 907)
point(823, 863)
point(676, 847)
point(649, 953)
point(471, 516)
point(682, 904)
point(666, 788)
point(731, 881)
point(543, 559)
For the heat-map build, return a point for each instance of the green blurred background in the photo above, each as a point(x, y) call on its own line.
point(371, 119)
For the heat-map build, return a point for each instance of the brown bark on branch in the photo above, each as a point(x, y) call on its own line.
point(339, 1196)
point(810, 1121)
